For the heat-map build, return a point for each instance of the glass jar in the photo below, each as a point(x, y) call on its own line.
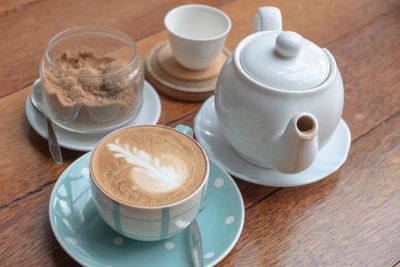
point(92, 79)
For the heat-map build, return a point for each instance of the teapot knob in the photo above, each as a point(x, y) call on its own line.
point(288, 44)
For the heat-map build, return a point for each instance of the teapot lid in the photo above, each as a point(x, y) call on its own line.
point(285, 60)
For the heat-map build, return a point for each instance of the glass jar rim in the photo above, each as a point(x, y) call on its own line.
point(101, 29)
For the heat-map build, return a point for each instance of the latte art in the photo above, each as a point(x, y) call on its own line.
point(158, 174)
point(148, 165)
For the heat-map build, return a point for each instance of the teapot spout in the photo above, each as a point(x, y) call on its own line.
point(267, 18)
point(298, 145)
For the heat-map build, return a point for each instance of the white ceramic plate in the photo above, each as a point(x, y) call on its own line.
point(149, 114)
point(328, 160)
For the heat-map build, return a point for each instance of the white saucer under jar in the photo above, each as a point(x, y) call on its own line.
point(148, 114)
point(92, 78)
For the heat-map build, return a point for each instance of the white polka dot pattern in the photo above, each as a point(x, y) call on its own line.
point(169, 245)
point(85, 172)
point(230, 220)
point(219, 182)
point(209, 255)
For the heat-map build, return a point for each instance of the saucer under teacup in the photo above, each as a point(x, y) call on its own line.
point(328, 159)
point(149, 114)
point(91, 242)
point(175, 81)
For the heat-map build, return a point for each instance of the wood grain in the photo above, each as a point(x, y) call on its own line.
point(24, 227)
point(28, 164)
point(351, 218)
point(28, 30)
point(26, 40)
point(31, 150)
point(370, 73)
point(7, 6)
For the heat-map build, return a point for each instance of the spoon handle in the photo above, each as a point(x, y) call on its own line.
point(54, 147)
point(196, 245)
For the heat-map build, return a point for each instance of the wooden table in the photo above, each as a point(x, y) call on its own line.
point(350, 218)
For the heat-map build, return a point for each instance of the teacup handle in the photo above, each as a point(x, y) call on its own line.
point(185, 129)
point(267, 18)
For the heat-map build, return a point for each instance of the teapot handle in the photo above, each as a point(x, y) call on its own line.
point(267, 18)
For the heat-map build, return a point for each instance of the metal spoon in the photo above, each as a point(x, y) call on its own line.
point(36, 99)
point(196, 245)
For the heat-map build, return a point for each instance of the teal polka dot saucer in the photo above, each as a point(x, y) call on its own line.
point(90, 241)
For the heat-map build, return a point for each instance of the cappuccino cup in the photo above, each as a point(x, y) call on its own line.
point(197, 34)
point(148, 182)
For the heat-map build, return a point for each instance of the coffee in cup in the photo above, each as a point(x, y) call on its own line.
point(148, 174)
point(149, 166)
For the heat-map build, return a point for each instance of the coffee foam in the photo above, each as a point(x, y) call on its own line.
point(151, 173)
point(149, 165)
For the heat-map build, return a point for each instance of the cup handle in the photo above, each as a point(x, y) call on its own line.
point(185, 129)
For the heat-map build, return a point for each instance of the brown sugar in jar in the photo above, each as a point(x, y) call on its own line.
point(84, 92)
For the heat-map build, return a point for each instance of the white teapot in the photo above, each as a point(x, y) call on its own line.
point(279, 97)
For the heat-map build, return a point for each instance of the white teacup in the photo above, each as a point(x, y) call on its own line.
point(197, 34)
point(148, 182)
